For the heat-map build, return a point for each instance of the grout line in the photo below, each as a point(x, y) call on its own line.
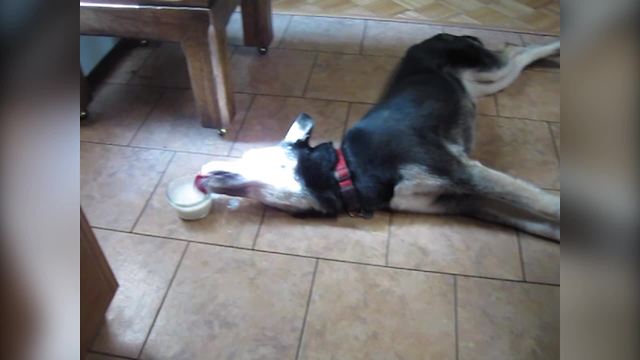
point(319, 51)
point(386, 255)
point(520, 118)
point(255, 239)
point(334, 260)
point(155, 86)
point(110, 355)
point(162, 94)
point(302, 97)
point(135, 72)
point(455, 314)
point(495, 101)
point(155, 188)
point(284, 33)
point(346, 123)
point(524, 43)
point(553, 140)
point(154, 148)
point(364, 36)
point(521, 255)
point(313, 66)
point(306, 310)
point(242, 122)
point(175, 272)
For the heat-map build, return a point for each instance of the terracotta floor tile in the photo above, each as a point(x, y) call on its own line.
point(165, 66)
point(534, 95)
point(232, 221)
point(235, 33)
point(394, 38)
point(115, 182)
point(493, 40)
point(507, 320)
point(356, 113)
point(271, 116)
point(487, 15)
point(116, 112)
point(232, 304)
point(343, 238)
point(486, 106)
point(143, 267)
point(454, 245)
point(324, 34)
point(461, 19)
point(279, 72)
point(542, 20)
point(522, 148)
point(437, 10)
point(353, 78)
point(174, 124)
point(541, 259)
point(367, 312)
point(465, 5)
point(511, 8)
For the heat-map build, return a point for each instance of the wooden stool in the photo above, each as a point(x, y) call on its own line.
point(199, 27)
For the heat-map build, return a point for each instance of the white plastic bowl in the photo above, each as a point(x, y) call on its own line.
point(189, 202)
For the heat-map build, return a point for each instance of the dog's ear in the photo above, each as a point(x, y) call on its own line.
point(300, 130)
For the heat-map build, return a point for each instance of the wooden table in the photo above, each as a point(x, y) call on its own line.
point(199, 27)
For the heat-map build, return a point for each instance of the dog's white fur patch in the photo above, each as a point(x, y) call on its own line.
point(417, 191)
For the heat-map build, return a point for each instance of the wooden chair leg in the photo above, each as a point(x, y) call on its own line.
point(256, 23)
point(207, 61)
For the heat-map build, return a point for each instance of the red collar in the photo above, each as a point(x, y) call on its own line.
point(347, 189)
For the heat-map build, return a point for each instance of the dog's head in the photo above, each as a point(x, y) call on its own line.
point(291, 176)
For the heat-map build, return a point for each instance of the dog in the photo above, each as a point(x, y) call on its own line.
point(410, 152)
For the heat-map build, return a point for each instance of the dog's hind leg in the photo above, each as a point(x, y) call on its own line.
point(493, 184)
point(492, 195)
point(483, 83)
point(502, 213)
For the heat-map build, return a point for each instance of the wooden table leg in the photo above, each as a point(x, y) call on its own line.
point(85, 95)
point(222, 73)
point(207, 61)
point(256, 22)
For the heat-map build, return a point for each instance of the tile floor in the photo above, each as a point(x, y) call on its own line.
point(252, 283)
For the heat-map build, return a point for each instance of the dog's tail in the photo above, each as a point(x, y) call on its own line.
point(483, 83)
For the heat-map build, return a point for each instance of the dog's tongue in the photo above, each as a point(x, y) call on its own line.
point(199, 183)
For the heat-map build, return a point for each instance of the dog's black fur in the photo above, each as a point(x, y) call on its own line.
point(424, 107)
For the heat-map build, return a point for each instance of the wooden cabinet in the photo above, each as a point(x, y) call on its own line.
point(97, 285)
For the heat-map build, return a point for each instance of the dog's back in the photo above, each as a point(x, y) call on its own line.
point(423, 112)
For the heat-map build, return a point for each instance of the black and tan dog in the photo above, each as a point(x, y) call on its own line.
point(408, 153)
